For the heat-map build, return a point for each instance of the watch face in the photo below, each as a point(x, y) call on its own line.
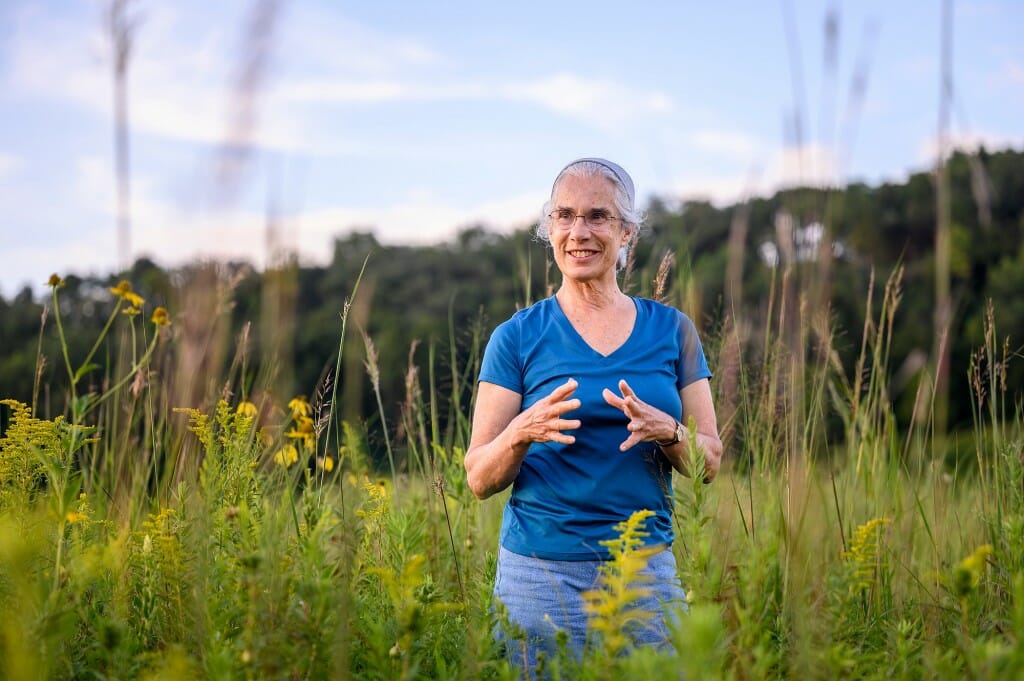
point(680, 432)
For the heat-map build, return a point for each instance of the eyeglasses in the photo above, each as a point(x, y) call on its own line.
point(565, 218)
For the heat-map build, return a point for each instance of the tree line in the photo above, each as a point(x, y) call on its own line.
point(800, 258)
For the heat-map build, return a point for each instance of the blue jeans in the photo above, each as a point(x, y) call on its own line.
point(543, 597)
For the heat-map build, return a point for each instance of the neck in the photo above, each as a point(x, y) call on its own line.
point(583, 296)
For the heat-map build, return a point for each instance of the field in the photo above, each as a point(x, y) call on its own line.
point(262, 537)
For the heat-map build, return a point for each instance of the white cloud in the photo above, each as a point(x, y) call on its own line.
point(418, 220)
point(179, 89)
point(810, 165)
point(605, 105)
point(721, 190)
point(345, 91)
point(173, 234)
point(807, 165)
point(731, 142)
point(928, 150)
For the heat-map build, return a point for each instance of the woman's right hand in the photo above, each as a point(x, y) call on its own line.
point(543, 421)
point(502, 434)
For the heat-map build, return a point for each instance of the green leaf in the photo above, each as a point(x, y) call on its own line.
point(83, 370)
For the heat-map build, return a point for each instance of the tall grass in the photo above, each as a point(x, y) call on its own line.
point(245, 537)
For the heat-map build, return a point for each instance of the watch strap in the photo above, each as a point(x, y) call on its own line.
point(676, 438)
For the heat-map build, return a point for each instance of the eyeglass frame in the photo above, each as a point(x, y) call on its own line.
point(554, 218)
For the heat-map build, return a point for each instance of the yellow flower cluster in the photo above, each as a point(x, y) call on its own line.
point(967, 573)
point(865, 552)
point(246, 408)
point(302, 435)
point(377, 503)
point(612, 607)
point(303, 430)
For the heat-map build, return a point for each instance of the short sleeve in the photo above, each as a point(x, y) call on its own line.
point(502, 363)
point(692, 365)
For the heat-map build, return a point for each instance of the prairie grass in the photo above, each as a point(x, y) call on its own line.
point(249, 536)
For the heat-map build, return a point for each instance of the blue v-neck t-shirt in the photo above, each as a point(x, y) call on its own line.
point(568, 498)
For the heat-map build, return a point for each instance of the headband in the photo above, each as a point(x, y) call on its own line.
point(623, 177)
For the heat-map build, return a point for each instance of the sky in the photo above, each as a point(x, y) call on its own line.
point(415, 120)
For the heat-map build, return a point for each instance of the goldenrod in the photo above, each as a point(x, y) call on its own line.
point(246, 408)
point(967, 573)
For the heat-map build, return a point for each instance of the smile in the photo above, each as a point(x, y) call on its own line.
point(581, 254)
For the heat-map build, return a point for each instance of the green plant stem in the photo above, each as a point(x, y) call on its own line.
point(127, 377)
point(102, 334)
point(64, 351)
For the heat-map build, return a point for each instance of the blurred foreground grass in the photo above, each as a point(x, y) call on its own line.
point(255, 538)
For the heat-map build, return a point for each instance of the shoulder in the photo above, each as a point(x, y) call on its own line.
point(512, 329)
point(660, 312)
point(542, 308)
point(527, 316)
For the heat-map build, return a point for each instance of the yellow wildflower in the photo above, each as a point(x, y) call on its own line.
point(75, 517)
point(286, 456)
point(304, 431)
point(300, 407)
point(246, 408)
point(866, 553)
point(55, 281)
point(122, 288)
point(160, 317)
point(131, 311)
point(967, 574)
point(325, 463)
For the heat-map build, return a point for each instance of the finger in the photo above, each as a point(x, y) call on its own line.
point(629, 442)
point(566, 406)
point(625, 389)
point(632, 407)
point(568, 424)
point(563, 391)
point(611, 398)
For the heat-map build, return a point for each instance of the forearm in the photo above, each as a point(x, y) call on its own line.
point(681, 456)
point(491, 467)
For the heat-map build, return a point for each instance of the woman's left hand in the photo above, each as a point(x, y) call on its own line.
point(646, 423)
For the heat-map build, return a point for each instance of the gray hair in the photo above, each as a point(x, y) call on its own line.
point(630, 214)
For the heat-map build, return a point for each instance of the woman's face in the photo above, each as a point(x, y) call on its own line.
point(582, 252)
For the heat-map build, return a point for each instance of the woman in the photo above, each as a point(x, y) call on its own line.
point(581, 405)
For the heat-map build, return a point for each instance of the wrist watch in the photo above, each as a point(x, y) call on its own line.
point(676, 439)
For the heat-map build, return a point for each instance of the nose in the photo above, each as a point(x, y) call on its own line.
point(579, 225)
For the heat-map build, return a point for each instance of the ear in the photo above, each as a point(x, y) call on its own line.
point(628, 234)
